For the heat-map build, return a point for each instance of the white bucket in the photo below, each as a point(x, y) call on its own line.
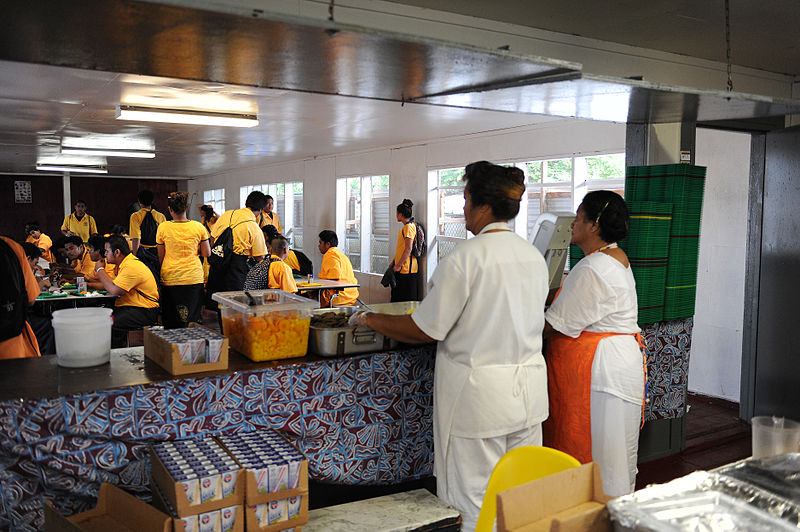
point(83, 336)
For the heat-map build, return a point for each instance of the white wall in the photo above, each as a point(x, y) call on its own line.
point(407, 167)
point(715, 362)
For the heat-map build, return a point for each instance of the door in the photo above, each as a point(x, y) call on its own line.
point(775, 361)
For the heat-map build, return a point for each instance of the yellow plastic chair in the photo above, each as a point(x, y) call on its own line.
point(516, 467)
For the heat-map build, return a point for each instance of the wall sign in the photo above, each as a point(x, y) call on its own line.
point(22, 192)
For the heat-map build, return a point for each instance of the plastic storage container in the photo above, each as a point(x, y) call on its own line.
point(83, 336)
point(274, 325)
point(774, 435)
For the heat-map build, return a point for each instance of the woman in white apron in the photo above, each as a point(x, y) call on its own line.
point(485, 307)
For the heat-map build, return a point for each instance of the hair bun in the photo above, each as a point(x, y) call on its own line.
point(408, 203)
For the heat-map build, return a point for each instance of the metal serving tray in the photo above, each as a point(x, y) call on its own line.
point(339, 341)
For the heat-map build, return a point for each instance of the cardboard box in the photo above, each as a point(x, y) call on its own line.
point(570, 501)
point(116, 510)
point(176, 523)
point(166, 355)
point(177, 497)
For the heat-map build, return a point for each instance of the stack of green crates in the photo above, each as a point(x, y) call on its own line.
point(682, 186)
point(647, 247)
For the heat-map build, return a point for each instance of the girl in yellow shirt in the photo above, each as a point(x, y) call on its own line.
point(180, 243)
point(405, 266)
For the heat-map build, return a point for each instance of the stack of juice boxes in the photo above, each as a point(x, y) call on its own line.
point(199, 485)
point(277, 479)
point(196, 345)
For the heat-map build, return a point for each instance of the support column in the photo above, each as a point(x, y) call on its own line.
point(67, 193)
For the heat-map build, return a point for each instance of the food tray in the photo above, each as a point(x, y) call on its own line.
point(339, 341)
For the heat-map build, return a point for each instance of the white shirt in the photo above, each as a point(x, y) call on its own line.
point(485, 306)
point(599, 295)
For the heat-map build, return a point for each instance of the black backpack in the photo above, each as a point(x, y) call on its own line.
point(222, 251)
point(13, 295)
point(306, 267)
point(149, 228)
point(420, 245)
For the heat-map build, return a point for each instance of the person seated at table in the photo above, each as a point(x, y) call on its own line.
point(136, 287)
point(273, 272)
point(79, 223)
point(32, 255)
point(19, 340)
point(40, 240)
point(337, 267)
point(97, 250)
point(79, 255)
point(42, 325)
point(58, 250)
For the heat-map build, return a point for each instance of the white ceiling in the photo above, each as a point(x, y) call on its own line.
point(40, 104)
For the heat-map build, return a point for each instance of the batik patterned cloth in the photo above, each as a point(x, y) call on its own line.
point(668, 345)
point(359, 420)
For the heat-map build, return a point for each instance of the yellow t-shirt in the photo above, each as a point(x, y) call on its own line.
point(84, 228)
point(84, 266)
point(44, 243)
point(336, 266)
point(292, 261)
point(411, 265)
point(133, 276)
point(280, 276)
point(111, 270)
point(265, 220)
point(135, 229)
point(248, 239)
point(182, 265)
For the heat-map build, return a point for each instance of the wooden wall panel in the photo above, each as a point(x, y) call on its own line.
point(109, 200)
point(47, 207)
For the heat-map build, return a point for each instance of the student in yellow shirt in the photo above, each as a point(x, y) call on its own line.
point(208, 218)
point(40, 240)
point(267, 217)
point(79, 223)
point(274, 272)
point(78, 253)
point(336, 266)
point(248, 242)
point(181, 242)
point(136, 287)
point(32, 254)
point(405, 266)
point(97, 250)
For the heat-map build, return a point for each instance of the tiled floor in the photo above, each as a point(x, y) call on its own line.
point(714, 436)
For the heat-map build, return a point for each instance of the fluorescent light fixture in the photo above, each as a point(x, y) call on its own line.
point(185, 116)
point(72, 169)
point(108, 152)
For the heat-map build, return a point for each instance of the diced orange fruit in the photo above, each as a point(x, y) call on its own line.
point(269, 336)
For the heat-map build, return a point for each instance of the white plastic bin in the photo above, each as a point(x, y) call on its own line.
point(83, 336)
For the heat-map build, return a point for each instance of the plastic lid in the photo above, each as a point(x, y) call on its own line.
point(81, 316)
point(266, 301)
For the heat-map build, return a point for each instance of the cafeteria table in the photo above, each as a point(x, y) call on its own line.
point(45, 306)
point(318, 285)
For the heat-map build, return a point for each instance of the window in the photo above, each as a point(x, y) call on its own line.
point(287, 203)
point(448, 195)
point(215, 198)
point(362, 221)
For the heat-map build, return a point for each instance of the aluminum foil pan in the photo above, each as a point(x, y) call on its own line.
point(700, 502)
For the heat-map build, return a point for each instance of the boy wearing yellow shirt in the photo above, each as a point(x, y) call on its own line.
point(79, 255)
point(97, 249)
point(267, 217)
point(335, 266)
point(40, 240)
point(272, 273)
point(136, 287)
point(79, 223)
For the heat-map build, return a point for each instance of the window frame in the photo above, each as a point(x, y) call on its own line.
point(284, 206)
point(366, 217)
point(218, 204)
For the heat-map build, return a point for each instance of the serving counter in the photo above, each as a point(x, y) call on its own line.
point(364, 419)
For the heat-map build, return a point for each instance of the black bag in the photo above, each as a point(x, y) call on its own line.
point(148, 228)
point(420, 245)
point(306, 267)
point(222, 251)
point(13, 295)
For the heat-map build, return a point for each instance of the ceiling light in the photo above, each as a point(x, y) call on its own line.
point(185, 116)
point(72, 169)
point(108, 152)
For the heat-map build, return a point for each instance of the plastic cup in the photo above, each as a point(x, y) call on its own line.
point(774, 435)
